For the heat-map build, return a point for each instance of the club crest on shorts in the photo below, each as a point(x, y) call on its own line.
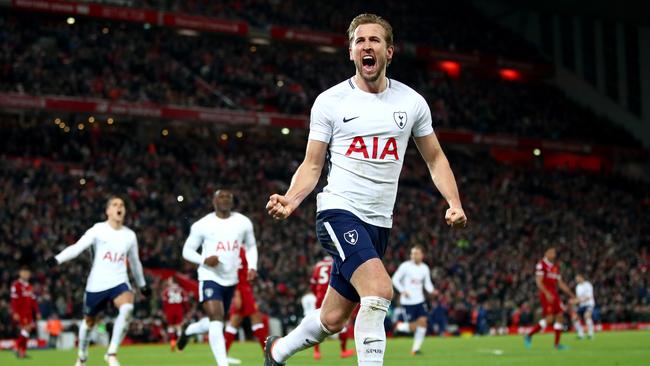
point(351, 237)
point(208, 292)
point(400, 119)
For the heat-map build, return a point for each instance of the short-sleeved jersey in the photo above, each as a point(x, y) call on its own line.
point(367, 135)
point(111, 250)
point(585, 292)
point(550, 273)
point(223, 238)
point(23, 300)
point(413, 279)
point(174, 296)
point(320, 278)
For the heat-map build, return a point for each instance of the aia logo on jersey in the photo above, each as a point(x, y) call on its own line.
point(114, 257)
point(400, 119)
point(375, 148)
point(351, 237)
point(228, 246)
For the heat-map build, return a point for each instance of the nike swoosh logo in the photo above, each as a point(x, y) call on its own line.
point(368, 341)
point(346, 120)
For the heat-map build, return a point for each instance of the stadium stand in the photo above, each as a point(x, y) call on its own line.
point(517, 212)
point(54, 182)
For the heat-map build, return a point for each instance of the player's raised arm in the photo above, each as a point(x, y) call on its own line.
point(302, 184)
point(73, 250)
point(442, 177)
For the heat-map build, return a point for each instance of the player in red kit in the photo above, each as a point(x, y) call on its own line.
point(548, 279)
point(245, 306)
point(23, 309)
point(319, 283)
point(175, 303)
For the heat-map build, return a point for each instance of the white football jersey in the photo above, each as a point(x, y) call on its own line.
point(367, 135)
point(585, 292)
point(413, 279)
point(111, 250)
point(223, 238)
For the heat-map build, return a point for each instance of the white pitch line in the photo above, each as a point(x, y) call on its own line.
point(496, 352)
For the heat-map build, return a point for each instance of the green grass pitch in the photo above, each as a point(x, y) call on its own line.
point(607, 349)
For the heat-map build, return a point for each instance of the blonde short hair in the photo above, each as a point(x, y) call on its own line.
point(371, 19)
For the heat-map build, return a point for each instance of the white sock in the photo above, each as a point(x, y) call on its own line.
point(218, 343)
point(84, 339)
point(579, 328)
point(590, 327)
point(369, 332)
point(200, 327)
point(308, 333)
point(542, 323)
point(403, 327)
point(120, 327)
point(418, 338)
point(257, 326)
point(230, 329)
point(558, 326)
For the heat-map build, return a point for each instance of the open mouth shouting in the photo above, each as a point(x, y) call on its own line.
point(369, 64)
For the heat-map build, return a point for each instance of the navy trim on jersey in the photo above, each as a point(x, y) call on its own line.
point(351, 83)
point(389, 83)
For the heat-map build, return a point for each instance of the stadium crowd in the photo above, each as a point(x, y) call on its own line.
point(442, 29)
point(54, 185)
point(124, 62)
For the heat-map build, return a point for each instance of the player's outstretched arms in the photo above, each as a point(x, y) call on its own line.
point(302, 184)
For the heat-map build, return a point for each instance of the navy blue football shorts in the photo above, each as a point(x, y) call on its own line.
point(94, 302)
point(210, 290)
point(413, 312)
point(351, 242)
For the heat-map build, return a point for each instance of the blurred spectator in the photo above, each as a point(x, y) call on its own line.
point(53, 328)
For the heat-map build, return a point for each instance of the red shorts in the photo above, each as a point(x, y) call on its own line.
point(244, 303)
point(552, 307)
point(174, 316)
point(25, 322)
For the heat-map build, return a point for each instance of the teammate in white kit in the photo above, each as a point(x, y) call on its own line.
point(308, 302)
point(586, 303)
point(411, 279)
point(113, 244)
point(220, 234)
point(362, 126)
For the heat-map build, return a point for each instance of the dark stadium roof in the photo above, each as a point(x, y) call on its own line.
point(633, 12)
